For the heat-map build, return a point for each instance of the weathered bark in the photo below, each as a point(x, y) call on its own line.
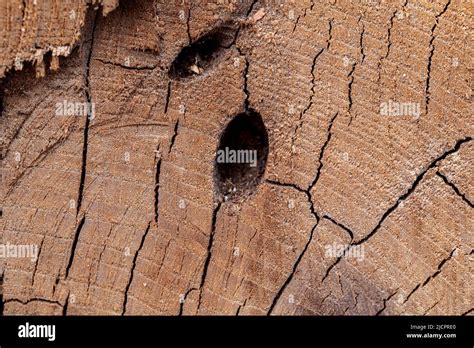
point(33, 28)
point(125, 208)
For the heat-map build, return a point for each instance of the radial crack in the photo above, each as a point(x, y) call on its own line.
point(455, 189)
point(295, 267)
point(321, 153)
point(168, 96)
point(157, 188)
point(209, 250)
point(134, 263)
point(87, 121)
point(74, 245)
point(430, 57)
point(310, 101)
point(173, 137)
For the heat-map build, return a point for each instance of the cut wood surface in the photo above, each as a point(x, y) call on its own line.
point(364, 205)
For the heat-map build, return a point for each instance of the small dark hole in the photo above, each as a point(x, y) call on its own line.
point(241, 156)
point(196, 58)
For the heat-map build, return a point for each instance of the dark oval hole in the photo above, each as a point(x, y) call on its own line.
point(241, 156)
point(196, 58)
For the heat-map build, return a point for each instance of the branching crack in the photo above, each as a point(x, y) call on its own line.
point(403, 197)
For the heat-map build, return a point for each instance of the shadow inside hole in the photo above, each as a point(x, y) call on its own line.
point(241, 156)
point(201, 54)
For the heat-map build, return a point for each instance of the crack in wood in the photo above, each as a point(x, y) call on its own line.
point(312, 209)
point(157, 189)
point(429, 309)
point(346, 229)
point(40, 248)
point(431, 277)
point(430, 57)
point(168, 96)
point(403, 197)
point(44, 300)
point(455, 189)
point(385, 300)
point(310, 101)
point(207, 261)
point(293, 271)
point(183, 300)
point(240, 307)
point(87, 120)
point(321, 153)
point(310, 9)
point(74, 245)
point(134, 263)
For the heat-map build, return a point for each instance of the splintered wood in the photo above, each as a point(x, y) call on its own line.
point(109, 202)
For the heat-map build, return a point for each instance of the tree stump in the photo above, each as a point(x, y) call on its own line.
point(360, 198)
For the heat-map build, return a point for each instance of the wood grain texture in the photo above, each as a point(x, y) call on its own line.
point(123, 206)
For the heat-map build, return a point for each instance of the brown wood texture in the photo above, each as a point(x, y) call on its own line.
point(123, 206)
